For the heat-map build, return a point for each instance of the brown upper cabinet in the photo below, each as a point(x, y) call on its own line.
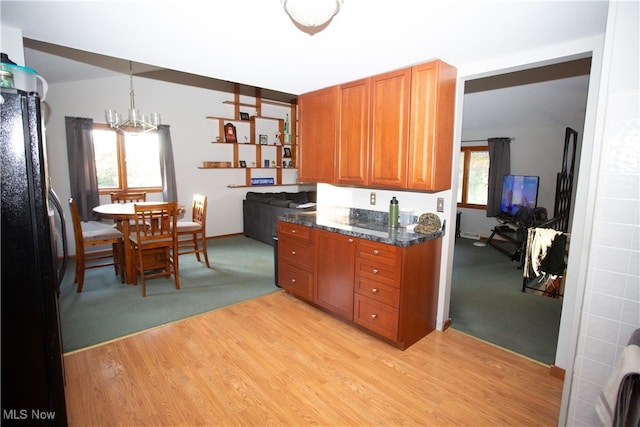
point(353, 133)
point(394, 130)
point(433, 99)
point(317, 119)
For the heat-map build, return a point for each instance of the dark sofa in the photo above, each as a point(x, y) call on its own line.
point(260, 211)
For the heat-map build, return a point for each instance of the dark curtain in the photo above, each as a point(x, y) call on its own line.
point(82, 168)
point(167, 169)
point(499, 165)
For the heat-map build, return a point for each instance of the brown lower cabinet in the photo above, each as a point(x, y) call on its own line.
point(390, 291)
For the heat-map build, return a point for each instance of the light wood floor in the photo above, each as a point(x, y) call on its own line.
point(275, 360)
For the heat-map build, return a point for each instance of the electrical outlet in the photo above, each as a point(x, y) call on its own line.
point(372, 198)
point(440, 205)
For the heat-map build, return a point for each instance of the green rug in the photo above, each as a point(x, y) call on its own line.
point(241, 268)
point(487, 302)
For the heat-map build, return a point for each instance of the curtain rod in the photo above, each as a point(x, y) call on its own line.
point(482, 140)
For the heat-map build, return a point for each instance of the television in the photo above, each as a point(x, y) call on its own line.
point(518, 191)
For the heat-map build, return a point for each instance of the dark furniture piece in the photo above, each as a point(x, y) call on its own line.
point(513, 235)
point(260, 211)
point(513, 231)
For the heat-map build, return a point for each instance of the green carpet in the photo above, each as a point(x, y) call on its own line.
point(241, 268)
point(487, 302)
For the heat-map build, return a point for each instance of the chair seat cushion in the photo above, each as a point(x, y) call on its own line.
point(188, 226)
point(101, 234)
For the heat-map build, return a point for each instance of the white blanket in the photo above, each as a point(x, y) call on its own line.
point(628, 364)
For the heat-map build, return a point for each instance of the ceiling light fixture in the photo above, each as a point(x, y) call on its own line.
point(311, 16)
point(136, 119)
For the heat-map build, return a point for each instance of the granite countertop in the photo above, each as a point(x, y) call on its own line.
point(362, 227)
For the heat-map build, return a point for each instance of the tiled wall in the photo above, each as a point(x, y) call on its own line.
point(611, 310)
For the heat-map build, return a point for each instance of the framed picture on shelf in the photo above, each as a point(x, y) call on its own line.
point(244, 116)
point(263, 139)
point(287, 152)
point(230, 133)
point(243, 164)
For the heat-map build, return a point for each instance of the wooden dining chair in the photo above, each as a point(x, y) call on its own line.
point(192, 234)
point(86, 257)
point(155, 246)
point(128, 197)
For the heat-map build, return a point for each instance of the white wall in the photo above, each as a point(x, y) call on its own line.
point(184, 108)
point(608, 304)
point(11, 44)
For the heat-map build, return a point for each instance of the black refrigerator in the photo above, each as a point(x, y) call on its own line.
point(32, 365)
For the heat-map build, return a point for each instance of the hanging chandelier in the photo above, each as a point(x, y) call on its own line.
point(311, 16)
point(136, 120)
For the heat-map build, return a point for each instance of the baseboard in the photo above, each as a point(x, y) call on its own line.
point(446, 324)
point(556, 372)
point(220, 236)
point(468, 235)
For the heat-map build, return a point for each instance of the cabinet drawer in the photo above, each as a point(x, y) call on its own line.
point(294, 230)
point(299, 253)
point(295, 280)
point(383, 253)
point(378, 291)
point(378, 272)
point(376, 316)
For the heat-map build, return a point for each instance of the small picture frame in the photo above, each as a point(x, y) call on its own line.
point(230, 133)
point(287, 152)
point(244, 116)
point(267, 163)
point(263, 139)
point(243, 164)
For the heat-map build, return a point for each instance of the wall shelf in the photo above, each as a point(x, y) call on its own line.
point(260, 125)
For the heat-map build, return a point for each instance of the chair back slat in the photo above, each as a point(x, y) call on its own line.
point(128, 197)
point(199, 209)
point(155, 221)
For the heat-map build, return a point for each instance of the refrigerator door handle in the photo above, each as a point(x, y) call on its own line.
point(55, 201)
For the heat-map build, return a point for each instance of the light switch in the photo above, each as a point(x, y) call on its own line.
point(440, 206)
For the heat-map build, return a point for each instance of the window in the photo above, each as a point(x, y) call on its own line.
point(127, 160)
point(473, 177)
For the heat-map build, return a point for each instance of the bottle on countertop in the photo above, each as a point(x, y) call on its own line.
point(394, 212)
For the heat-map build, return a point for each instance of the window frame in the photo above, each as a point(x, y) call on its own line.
point(465, 175)
point(122, 165)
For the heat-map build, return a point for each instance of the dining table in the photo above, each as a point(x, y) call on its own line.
point(123, 214)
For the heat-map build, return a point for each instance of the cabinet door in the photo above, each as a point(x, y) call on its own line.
point(432, 114)
point(353, 133)
point(389, 129)
point(335, 273)
point(317, 133)
point(295, 280)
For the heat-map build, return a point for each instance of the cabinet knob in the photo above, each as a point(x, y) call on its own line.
point(350, 240)
point(293, 280)
point(293, 252)
point(374, 316)
point(374, 290)
point(376, 252)
point(293, 231)
point(375, 271)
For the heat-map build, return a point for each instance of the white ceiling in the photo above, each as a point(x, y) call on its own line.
point(253, 42)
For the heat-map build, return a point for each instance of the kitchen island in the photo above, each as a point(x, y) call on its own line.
point(350, 264)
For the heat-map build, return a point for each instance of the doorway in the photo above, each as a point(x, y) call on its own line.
point(533, 106)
